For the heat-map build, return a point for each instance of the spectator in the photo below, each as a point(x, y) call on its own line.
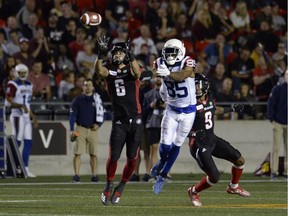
point(66, 84)
point(249, 111)
point(3, 41)
point(64, 61)
point(85, 59)
point(281, 54)
point(24, 56)
point(78, 44)
point(266, 37)
point(122, 35)
point(38, 46)
point(13, 46)
point(279, 24)
point(216, 52)
point(216, 79)
point(144, 38)
point(265, 14)
point(19, 93)
point(70, 31)
point(53, 33)
point(184, 28)
point(25, 12)
point(114, 10)
point(40, 81)
point(12, 24)
point(78, 87)
point(263, 80)
point(277, 114)
point(29, 29)
point(87, 113)
point(241, 69)
point(225, 94)
point(9, 74)
point(240, 17)
point(67, 14)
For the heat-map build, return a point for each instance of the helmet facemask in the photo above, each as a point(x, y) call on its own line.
point(202, 87)
point(116, 51)
point(173, 51)
point(21, 71)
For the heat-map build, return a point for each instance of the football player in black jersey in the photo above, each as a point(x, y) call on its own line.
point(122, 74)
point(204, 144)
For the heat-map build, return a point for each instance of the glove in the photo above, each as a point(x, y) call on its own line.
point(237, 107)
point(130, 55)
point(102, 46)
point(162, 70)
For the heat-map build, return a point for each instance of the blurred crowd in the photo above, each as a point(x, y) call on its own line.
point(240, 45)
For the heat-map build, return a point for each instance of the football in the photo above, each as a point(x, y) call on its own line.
point(91, 18)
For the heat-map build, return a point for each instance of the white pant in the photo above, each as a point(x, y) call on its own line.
point(175, 127)
point(21, 127)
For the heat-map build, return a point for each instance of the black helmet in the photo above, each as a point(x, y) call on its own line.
point(120, 46)
point(202, 85)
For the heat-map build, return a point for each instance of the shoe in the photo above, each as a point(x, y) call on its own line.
point(94, 178)
point(273, 176)
point(156, 169)
point(134, 178)
point(240, 191)
point(106, 194)
point(29, 174)
point(115, 198)
point(194, 198)
point(158, 186)
point(76, 179)
point(146, 178)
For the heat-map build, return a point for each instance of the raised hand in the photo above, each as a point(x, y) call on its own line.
point(102, 46)
point(130, 55)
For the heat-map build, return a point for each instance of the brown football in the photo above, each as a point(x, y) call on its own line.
point(91, 18)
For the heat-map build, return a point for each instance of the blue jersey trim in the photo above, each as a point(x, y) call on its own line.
point(187, 110)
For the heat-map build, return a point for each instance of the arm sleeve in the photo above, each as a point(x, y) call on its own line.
point(146, 75)
point(73, 114)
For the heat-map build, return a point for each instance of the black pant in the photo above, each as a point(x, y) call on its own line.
point(127, 131)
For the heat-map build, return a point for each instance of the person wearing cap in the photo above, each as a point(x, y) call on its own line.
point(24, 56)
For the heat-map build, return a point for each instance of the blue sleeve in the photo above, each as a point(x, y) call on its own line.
point(271, 103)
point(73, 114)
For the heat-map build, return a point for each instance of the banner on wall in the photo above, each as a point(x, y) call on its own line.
point(49, 139)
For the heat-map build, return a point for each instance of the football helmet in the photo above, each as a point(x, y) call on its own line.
point(119, 59)
point(173, 51)
point(21, 71)
point(202, 85)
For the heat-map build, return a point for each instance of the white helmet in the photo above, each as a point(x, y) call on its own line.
point(24, 71)
point(173, 51)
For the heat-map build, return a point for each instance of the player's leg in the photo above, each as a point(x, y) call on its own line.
point(117, 141)
point(153, 138)
point(225, 151)
point(206, 163)
point(133, 142)
point(27, 134)
point(183, 129)
point(285, 132)
point(17, 125)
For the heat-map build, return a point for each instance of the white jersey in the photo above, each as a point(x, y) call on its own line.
point(178, 94)
point(22, 92)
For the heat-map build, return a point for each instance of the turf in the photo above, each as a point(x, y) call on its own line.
point(58, 196)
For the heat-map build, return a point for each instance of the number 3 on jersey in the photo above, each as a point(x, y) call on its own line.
point(208, 120)
point(175, 89)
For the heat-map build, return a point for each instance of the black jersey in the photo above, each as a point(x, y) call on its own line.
point(123, 90)
point(204, 119)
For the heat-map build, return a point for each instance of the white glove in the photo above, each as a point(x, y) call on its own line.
point(163, 70)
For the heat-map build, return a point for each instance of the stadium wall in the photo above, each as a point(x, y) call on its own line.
point(252, 138)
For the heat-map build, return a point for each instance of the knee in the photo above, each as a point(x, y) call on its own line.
point(240, 162)
point(214, 177)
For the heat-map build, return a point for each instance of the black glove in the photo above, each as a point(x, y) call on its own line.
point(199, 134)
point(102, 46)
point(130, 55)
point(237, 107)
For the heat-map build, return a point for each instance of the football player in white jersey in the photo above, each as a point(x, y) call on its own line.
point(178, 91)
point(18, 96)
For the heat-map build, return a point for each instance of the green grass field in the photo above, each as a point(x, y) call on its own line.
point(58, 196)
